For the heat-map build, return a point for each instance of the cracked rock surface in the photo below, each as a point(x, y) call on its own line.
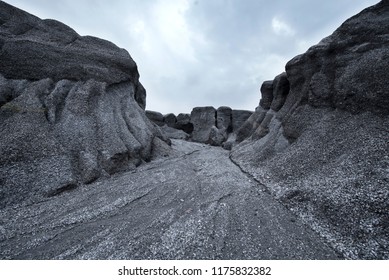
point(196, 204)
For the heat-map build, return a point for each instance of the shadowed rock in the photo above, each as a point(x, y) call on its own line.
point(267, 94)
point(71, 108)
point(224, 118)
point(280, 91)
point(170, 120)
point(155, 117)
point(203, 119)
point(174, 133)
point(239, 117)
point(251, 124)
point(183, 123)
point(217, 136)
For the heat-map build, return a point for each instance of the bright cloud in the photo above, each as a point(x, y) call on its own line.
point(281, 28)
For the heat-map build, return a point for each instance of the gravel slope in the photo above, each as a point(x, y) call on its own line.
point(194, 205)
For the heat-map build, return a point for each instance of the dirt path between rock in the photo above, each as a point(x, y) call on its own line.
point(196, 205)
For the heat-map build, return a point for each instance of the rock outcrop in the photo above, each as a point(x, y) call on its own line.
point(319, 139)
point(267, 94)
point(170, 119)
point(203, 119)
point(155, 117)
point(204, 125)
point(224, 119)
point(183, 123)
point(71, 108)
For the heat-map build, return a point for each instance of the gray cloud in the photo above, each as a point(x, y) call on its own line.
point(203, 52)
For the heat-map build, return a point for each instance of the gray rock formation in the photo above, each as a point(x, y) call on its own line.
point(251, 124)
point(170, 120)
point(280, 91)
point(71, 108)
point(239, 117)
point(274, 94)
point(224, 118)
point(155, 117)
point(204, 124)
point(212, 126)
point(173, 133)
point(322, 147)
point(183, 123)
point(203, 119)
point(217, 136)
point(267, 94)
point(347, 70)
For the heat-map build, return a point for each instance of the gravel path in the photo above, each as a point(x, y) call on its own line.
point(195, 205)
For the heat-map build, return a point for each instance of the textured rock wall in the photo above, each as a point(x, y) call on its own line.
point(319, 139)
point(71, 108)
point(204, 124)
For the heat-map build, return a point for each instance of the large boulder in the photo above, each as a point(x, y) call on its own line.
point(173, 133)
point(203, 119)
point(217, 136)
point(224, 118)
point(155, 117)
point(72, 108)
point(323, 150)
point(183, 123)
point(170, 120)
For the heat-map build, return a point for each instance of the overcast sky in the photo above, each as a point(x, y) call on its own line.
point(203, 52)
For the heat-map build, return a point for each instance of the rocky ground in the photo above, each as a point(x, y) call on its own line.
point(196, 204)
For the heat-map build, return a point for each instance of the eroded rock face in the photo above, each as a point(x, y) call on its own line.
point(71, 108)
point(239, 117)
point(280, 91)
point(347, 70)
point(323, 150)
point(203, 119)
point(267, 94)
point(170, 120)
